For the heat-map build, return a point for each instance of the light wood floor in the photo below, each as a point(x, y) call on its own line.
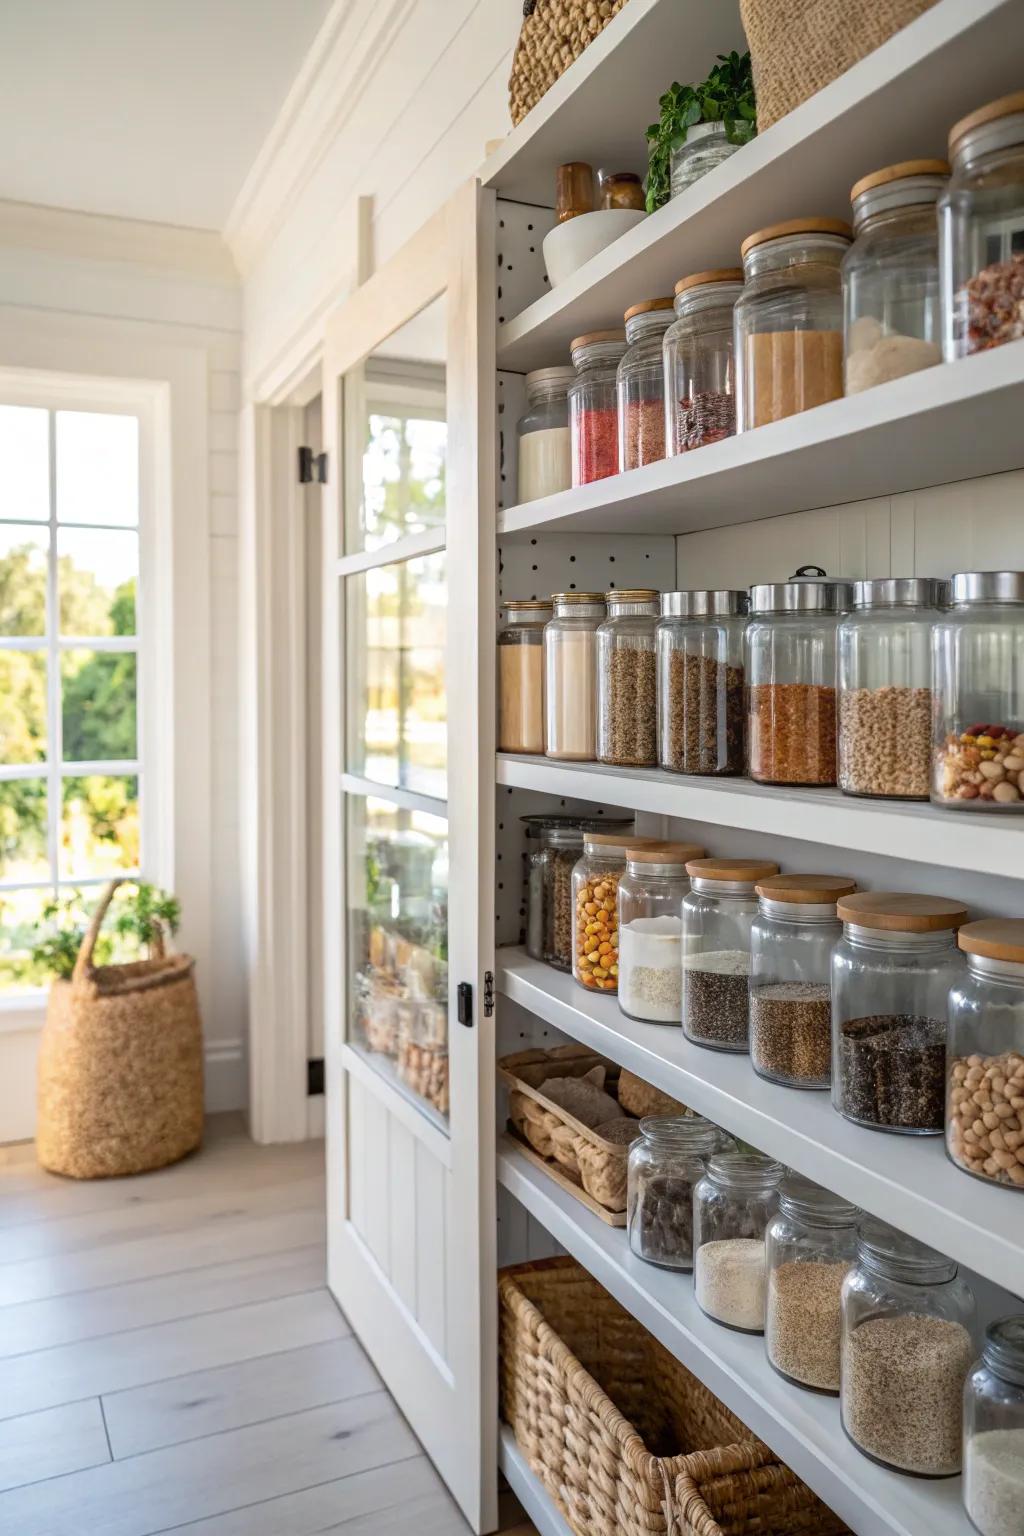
point(170, 1360)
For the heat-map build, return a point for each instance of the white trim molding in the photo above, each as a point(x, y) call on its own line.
point(195, 253)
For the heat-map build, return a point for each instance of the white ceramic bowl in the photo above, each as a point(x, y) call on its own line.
point(569, 245)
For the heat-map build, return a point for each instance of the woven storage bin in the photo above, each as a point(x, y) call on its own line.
point(640, 1098)
point(554, 33)
point(120, 1083)
point(797, 47)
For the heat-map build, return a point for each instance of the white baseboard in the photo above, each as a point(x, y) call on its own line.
point(316, 1117)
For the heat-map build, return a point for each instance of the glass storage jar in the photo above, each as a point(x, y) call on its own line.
point(705, 146)
point(640, 384)
point(891, 974)
point(570, 676)
point(789, 320)
point(650, 930)
point(700, 403)
point(539, 830)
point(620, 189)
point(885, 694)
point(664, 1165)
point(978, 680)
point(593, 412)
point(985, 1054)
point(554, 848)
point(717, 914)
point(423, 1051)
point(906, 1350)
point(627, 689)
point(981, 230)
point(791, 941)
point(994, 1432)
point(810, 1247)
point(544, 456)
point(790, 646)
point(574, 190)
point(892, 321)
point(521, 675)
point(732, 1205)
point(700, 681)
point(595, 895)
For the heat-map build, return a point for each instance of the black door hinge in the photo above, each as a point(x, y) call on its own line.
point(312, 467)
point(314, 1076)
point(488, 994)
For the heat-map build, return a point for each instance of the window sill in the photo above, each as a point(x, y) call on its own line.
point(20, 1014)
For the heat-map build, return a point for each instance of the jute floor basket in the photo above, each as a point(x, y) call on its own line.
point(554, 33)
point(625, 1439)
point(120, 1065)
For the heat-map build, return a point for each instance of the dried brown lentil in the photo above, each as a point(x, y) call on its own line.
point(702, 728)
point(791, 1032)
point(627, 729)
point(791, 733)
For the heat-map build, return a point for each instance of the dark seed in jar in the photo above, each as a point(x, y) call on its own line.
point(707, 416)
point(892, 1071)
point(715, 1004)
point(661, 1221)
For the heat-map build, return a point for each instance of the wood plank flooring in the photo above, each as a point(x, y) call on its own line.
point(171, 1360)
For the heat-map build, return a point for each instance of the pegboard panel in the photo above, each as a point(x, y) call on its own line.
point(521, 276)
point(511, 404)
point(562, 562)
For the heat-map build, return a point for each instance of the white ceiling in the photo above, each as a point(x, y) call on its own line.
point(148, 109)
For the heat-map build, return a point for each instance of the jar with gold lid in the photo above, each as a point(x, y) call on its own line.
point(521, 675)
point(570, 675)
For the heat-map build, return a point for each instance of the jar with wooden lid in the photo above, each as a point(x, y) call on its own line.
point(700, 681)
point(789, 320)
point(593, 411)
point(651, 930)
point(640, 384)
point(892, 971)
point(892, 317)
point(718, 913)
point(521, 675)
point(627, 722)
point(994, 1431)
point(542, 433)
point(697, 354)
point(574, 190)
point(620, 189)
point(595, 891)
point(570, 675)
point(985, 1054)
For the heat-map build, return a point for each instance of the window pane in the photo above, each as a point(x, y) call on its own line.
point(97, 468)
point(22, 706)
point(23, 553)
point(99, 832)
point(97, 574)
point(98, 705)
point(403, 475)
point(21, 926)
point(23, 851)
point(25, 456)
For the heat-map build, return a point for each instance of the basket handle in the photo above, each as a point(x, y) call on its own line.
point(83, 965)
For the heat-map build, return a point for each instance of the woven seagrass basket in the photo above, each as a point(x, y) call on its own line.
point(554, 33)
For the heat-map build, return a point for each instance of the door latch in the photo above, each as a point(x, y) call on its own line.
point(465, 1000)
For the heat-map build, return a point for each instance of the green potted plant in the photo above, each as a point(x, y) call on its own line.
point(700, 125)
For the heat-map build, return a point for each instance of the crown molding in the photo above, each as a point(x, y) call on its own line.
point(195, 253)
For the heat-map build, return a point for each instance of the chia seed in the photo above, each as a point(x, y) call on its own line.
point(715, 1003)
point(892, 1071)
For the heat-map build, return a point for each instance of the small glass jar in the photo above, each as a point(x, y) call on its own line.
point(906, 1351)
point(789, 320)
point(985, 1054)
point(700, 681)
point(650, 930)
point(994, 1432)
point(891, 974)
point(521, 675)
point(791, 943)
point(885, 693)
point(732, 1206)
point(593, 411)
point(697, 356)
point(810, 1247)
point(665, 1163)
point(627, 685)
point(718, 913)
point(621, 189)
point(892, 321)
point(574, 190)
point(978, 680)
point(539, 831)
point(570, 676)
point(981, 230)
point(640, 385)
point(544, 453)
point(555, 844)
point(595, 895)
point(705, 146)
point(790, 646)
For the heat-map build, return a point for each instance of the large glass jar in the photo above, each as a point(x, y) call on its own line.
point(718, 913)
point(789, 320)
point(545, 459)
point(705, 146)
point(810, 1247)
point(553, 851)
point(650, 930)
point(595, 894)
point(791, 942)
point(790, 647)
point(981, 230)
point(664, 1165)
point(891, 974)
point(570, 676)
point(521, 675)
point(700, 681)
point(627, 687)
point(906, 1350)
point(891, 312)
point(641, 384)
point(593, 412)
point(985, 1054)
point(885, 694)
point(994, 1432)
point(700, 402)
point(978, 679)
point(732, 1206)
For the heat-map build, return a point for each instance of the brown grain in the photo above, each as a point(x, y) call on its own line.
point(791, 733)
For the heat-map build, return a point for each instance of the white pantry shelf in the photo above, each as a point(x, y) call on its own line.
point(528, 1488)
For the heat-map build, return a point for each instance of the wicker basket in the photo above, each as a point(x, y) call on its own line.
point(554, 33)
point(640, 1098)
point(120, 1083)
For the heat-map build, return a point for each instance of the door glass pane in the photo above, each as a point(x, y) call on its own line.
point(23, 555)
point(98, 705)
point(23, 846)
point(22, 706)
point(97, 574)
point(99, 829)
point(97, 468)
point(25, 456)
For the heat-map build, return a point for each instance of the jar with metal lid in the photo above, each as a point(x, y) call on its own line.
point(791, 941)
point(521, 675)
point(981, 230)
point(620, 189)
point(697, 355)
point(664, 1166)
point(892, 317)
point(985, 1054)
point(640, 384)
point(810, 1247)
point(907, 1346)
point(595, 895)
point(718, 912)
point(650, 930)
point(789, 320)
point(978, 681)
point(790, 646)
point(994, 1432)
point(705, 146)
point(544, 456)
point(700, 681)
point(570, 676)
point(732, 1205)
point(891, 974)
point(593, 411)
point(627, 689)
